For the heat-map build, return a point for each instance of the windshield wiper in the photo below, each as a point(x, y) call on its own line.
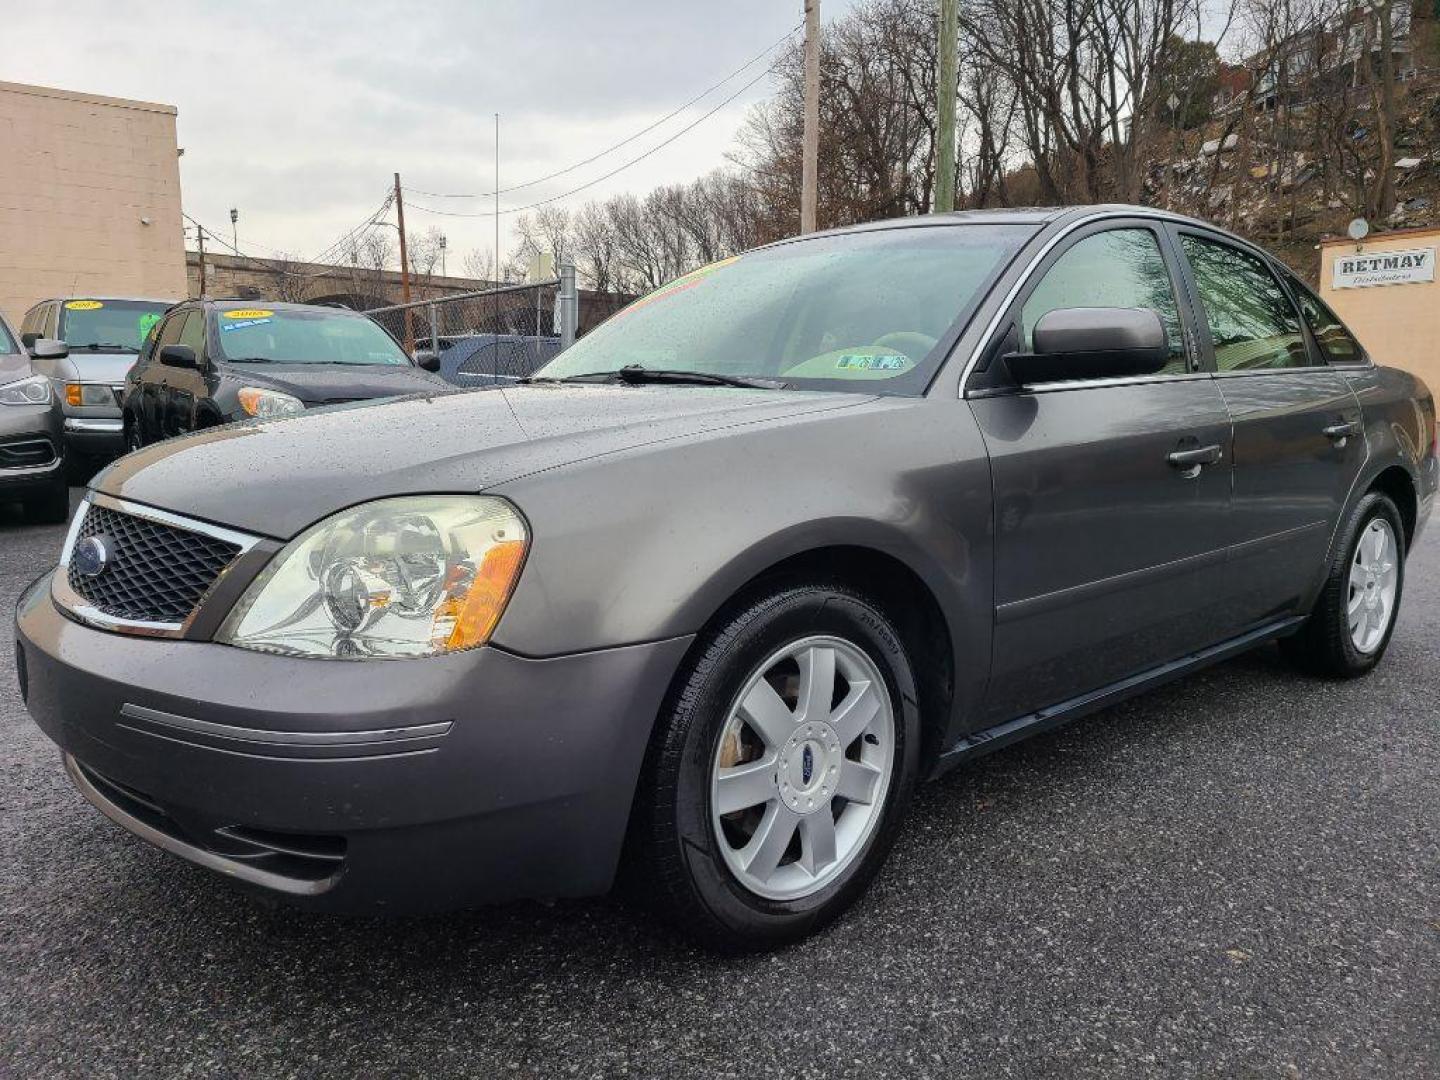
point(96, 346)
point(636, 375)
point(248, 360)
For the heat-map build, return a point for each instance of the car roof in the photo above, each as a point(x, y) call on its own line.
point(226, 303)
point(111, 299)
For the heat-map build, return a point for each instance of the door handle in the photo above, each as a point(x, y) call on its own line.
point(1342, 431)
point(1190, 462)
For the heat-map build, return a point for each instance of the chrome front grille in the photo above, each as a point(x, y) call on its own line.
point(148, 571)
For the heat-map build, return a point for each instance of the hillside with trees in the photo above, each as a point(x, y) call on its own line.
point(1279, 119)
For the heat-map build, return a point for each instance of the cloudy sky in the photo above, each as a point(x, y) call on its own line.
point(298, 113)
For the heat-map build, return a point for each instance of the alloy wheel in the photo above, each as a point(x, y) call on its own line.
point(799, 779)
point(1374, 582)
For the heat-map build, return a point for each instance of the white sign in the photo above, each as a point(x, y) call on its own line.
point(1384, 268)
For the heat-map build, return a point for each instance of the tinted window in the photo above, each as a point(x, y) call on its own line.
point(822, 312)
point(193, 333)
point(7, 343)
point(122, 324)
point(1120, 268)
point(170, 332)
point(295, 336)
point(1336, 343)
point(1252, 323)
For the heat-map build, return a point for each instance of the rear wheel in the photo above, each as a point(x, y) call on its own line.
point(1354, 617)
point(783, 764)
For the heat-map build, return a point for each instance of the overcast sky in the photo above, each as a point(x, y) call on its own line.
point(298, 113)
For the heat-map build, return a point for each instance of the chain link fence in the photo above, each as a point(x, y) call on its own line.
point(481, 338)
point(497, 336)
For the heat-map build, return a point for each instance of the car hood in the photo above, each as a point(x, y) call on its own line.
point(14, 366)
point(101, 367)
point(276, 477)
point(316, 384)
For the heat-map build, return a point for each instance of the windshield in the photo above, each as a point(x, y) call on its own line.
point(292, 336)
point(122, 324)
point(7, 343)
point(826, 313)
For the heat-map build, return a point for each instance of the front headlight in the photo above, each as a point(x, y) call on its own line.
point(416, 576)
point(34, 390)
point(80, 394)
point(268, 404)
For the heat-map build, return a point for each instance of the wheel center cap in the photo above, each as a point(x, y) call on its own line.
point(809, 767)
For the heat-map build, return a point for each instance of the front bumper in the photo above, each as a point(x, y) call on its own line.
point(23, 468)
point(96, 435)
point(405, 785)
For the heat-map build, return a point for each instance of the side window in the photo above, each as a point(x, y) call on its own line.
point(194, 333)
point(50, 326)
point(1119, 268)
point(170, 331)
point(29, 325)
point(1337, 344)
point(1252, 323)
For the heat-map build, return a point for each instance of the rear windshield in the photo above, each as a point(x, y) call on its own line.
point(280, 336)
point(832, 312)
point(109, 324)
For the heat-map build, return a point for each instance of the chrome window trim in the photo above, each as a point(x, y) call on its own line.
point(68, 600)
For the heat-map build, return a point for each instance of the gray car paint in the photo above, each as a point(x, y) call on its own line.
point(652, 507)
point(22, 420)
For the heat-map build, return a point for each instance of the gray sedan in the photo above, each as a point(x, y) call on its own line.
point(32, 456)
point(709, 596)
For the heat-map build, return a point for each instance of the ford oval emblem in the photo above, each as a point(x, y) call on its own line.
point(807, 765)
point(91, 555)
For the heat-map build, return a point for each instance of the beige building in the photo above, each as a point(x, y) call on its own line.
point(89, 197)
point(1386, 290)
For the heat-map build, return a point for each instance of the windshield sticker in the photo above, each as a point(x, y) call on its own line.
point(145, 325)
point(871, 361)
point(247, 313)
point(83, 305)
point(227, 327)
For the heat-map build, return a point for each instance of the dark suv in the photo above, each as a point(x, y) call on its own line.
point(213, 361)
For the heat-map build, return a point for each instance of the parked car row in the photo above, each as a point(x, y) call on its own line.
point(720, 584)
point(123, 372)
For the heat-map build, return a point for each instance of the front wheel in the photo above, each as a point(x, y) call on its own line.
point(1350, 627)
point(784, 761)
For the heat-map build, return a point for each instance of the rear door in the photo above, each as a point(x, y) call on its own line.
point(1298, 442)
point(1107, 555)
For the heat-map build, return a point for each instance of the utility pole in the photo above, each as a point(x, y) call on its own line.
point(810, 153)
point(404, 267)
point(404, 256)
point(497, 211)
point(200, 233)
point(945, 129)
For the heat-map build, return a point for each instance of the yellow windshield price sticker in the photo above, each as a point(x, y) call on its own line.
point(84, 305)
point(248, 313)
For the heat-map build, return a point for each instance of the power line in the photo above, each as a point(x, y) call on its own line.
point(599, 179)
point(623, 142)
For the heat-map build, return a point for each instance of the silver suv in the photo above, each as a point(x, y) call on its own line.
point(103, 336)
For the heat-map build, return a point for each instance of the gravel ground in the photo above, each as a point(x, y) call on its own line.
point(1237, 875)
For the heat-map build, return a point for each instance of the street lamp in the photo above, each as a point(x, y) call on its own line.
point(234, 235)
point(443, 242)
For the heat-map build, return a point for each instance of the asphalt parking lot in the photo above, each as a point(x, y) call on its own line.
point(1237, 875)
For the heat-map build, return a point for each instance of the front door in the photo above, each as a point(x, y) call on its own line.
point(1107, 550)
point(1298, 444)
point(185, 386)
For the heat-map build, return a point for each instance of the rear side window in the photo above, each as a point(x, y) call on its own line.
point(1120, 268)
point(1253, 325)
point(1337, 344)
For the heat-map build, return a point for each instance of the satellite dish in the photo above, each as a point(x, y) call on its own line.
point(1358, 229)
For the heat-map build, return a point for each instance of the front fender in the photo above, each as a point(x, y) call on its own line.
point(649, 544)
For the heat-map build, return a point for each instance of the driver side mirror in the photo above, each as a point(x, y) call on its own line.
point(427, 359)
point(48, 349)
point(1092, 343)
point(178, 356)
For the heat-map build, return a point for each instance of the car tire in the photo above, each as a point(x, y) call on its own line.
point(1350, 626)
point(51, 506)
point(690, 859)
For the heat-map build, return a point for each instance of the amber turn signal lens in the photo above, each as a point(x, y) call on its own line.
point(487, 596)
point(74, 394)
